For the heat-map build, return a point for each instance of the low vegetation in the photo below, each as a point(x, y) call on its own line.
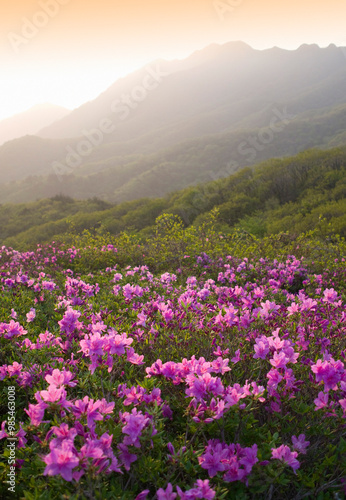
point(195, 364)
point(297, 194)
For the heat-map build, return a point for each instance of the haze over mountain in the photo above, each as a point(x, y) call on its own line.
point(31, 121)
point(231, 81)
point(176, 123)
point(295, 194)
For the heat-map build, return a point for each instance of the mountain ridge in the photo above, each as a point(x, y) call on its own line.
point(296, 194)
point(29, 122)
point(224, 89)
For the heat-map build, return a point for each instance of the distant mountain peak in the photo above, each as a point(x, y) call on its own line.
point(238, 44)
point(214, 49)
point(217, 77)
point(309, 47)
point(30, 121)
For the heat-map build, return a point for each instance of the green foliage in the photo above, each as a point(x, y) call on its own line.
point(173, 246)
point(294, 195)
point(123, 171)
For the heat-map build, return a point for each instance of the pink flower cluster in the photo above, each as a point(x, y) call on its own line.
point(64, 456)
point(333, 375)
point(97, 346)
point(210, 398)
point(137, 395)
point(261, 343)
point(11, 329)
point(69, 323)
point(201, 489)
point(232, 460)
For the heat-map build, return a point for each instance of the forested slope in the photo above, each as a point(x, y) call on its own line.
point(294, 194)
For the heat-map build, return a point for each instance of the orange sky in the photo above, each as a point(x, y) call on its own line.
point(84, 45)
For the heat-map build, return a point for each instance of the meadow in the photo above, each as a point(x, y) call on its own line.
point(195, 366)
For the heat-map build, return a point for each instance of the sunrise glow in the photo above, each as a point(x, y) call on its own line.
point(69, 51)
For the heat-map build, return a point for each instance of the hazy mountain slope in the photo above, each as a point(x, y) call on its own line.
point(295, 194)
point(218, 98)
point(30, 155)
point(236, 73)
point(31, 121)
point(127, 177)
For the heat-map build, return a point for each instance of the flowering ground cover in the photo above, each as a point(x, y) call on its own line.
point(223, 379)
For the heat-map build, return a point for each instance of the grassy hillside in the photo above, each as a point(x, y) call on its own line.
point(295, 194)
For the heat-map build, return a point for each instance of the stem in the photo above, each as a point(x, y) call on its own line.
point(103, 392)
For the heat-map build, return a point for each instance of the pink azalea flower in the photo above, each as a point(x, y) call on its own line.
point(30, 316)
point(319, 369)
point(343, 404)
point(166, 494)
point(21, 437)
point(198, 386)
point(274, 378)
point(268, 308)
point(236, 358)
point(3, 433)
point(330, 295)
point(201, 489)
point(93, 413)
point(286, 455)
point(63, 432)
point(291, 355)
point(61, 460)
point(135, 423)
point(258, 391)
point(14, 369)
point(93, 345)
point(14, 329)
point(212, 461)
point(204, 489)
point(169, 369)
point(53, 394)
point(125, 456)
point(261, 348)
point(299, 443)
point(90, 450)
point(141, 319)
point(105, 408)
point(308, 304)
point(279, 360)
point(134, 358)
point(57, 378)
point(293, 308)
point(233, 395)
point(116, 343)
point(168, 315)
point(69, 322)
point(76, 475)
point(220, 365)
point(143, 495)
point(36, 413)
point(250, 458)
